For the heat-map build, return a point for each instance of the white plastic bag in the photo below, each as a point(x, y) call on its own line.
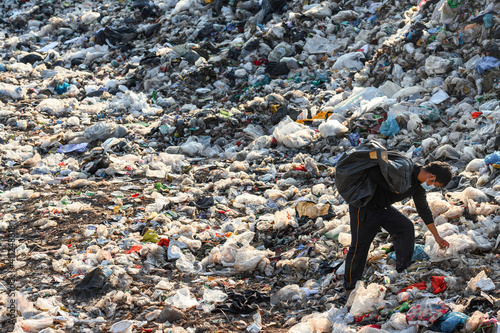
point(439, 207)
point(182, 299)
point(282, 219)
point(35, 325)
point(474, 194)
point(349, 61)
point(475, 165)
point(192, 148)
point(358, 96)
point(480, 282)
point(248, 259)
point(458, 243)
point(414, 124)
point(366, 300)
point(292, 134)
point(292, 293)
point(332, 127)
point(12, 91)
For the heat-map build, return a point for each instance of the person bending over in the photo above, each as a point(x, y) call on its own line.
point(379, 212)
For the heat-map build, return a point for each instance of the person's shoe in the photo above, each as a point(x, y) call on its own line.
point(347, 293)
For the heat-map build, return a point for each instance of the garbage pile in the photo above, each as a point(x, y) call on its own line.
point(168, 166)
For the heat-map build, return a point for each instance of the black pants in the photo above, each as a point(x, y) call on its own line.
point(365, 223)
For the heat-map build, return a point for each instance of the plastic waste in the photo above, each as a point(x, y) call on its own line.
point(493, 158)
point(350, 61)
point(486, 64)
point(367, 299)
point(449, 322)
point(256, 326)
point(389, 127)
point(292, 293)
point(182, 299)
point(426, 313)
point(480, 282)
point(92, 284)
point(123, 326)
point(437, 65)
point(332, 127)
point(12, 91)
point(214, 296)
point(160, 141)
point(150, 236)
point(292, 134)
point(35, 325)
point(357, 97)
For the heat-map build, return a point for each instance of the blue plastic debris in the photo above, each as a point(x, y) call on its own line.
point(486, 64)
point(62, 88)
point(493, 158)
point(389, 127)
point(449, 322)
point(418, 253)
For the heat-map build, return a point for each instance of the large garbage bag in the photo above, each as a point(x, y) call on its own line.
point(351, 175)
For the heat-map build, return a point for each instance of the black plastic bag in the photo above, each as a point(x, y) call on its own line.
point(351, 174)
point(92, 284)
point(275, 68)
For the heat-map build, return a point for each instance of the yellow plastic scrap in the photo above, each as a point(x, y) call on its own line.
point(150, 236)
point(320, 115)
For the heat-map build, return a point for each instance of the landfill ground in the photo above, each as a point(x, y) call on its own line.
point(168, 166)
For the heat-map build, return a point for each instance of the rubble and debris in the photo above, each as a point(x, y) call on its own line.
point(169, 166)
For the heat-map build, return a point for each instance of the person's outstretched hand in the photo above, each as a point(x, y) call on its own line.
point(442, 243)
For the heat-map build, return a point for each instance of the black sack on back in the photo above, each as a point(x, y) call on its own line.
point(351, 173)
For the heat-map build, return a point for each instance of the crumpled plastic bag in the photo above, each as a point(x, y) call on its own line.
point(493, 158)
point(414, 124)
point(476, 164)
point(427, 313)
point(182, 299)
point(365, 300)
point(291, 293)
point(357, 97)
point(249, 258)
point(332, 127)
point(480, 282)
point(192, 148)
point(284, 218)
point(458, 243)
point(439, 207)
point(350, 61)
point(389, 127)
point(471, 193)
point(150, 236)
point(475, 321)
point(486, 64)
point(447, 152)
point(449, 322)
point(292, 134)
point(311, 209)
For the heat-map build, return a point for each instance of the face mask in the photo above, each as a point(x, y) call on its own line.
point(428, 187)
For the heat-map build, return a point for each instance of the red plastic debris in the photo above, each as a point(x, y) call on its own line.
point(134, 248)
point(163, 242)
point(476, 114)
point(300, 168)
point(418, 285)
point(438, 284)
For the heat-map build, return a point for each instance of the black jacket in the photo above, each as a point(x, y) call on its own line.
point(383, 197)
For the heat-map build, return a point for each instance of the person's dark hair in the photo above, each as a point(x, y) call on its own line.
point(441, 170)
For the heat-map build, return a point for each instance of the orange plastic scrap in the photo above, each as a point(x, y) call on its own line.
point(470, 26)
point(134, 248)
